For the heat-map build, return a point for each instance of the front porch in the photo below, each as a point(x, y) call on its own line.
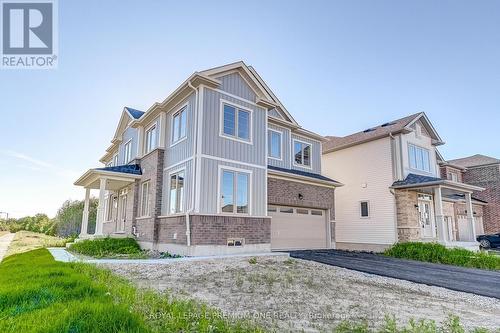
point(106, 180)
point(426, 212)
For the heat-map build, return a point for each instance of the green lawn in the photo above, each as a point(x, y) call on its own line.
point(437, 253)
point(38, 294)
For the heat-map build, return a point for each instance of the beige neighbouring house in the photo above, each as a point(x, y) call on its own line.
point(393, 191)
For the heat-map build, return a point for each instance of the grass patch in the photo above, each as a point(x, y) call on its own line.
point(437, 253)
point(79, 297)
point(27, 240)
point(109, 248)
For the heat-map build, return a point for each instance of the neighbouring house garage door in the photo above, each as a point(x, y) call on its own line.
point(297, 228)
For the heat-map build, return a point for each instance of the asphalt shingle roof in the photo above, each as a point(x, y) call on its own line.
point(135, 113)
point(413, 179)
point(301, 173)
point(369, 134)
point(475, 160)
point(133, 169)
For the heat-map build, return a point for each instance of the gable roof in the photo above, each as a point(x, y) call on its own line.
point(474, 160)
point(392, 127)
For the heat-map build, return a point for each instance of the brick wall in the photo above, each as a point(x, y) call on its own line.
point(407, 216)
point(446, 170)
point(215, 230)
point(489, 178)
point(172, 230)
point(284, 192)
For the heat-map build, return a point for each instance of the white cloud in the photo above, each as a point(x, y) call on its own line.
point(39, 165)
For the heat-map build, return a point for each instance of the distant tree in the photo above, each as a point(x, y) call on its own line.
point(69, 217)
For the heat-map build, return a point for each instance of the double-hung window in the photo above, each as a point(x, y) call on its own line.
point(145, 199)
point(419, 158)
point(236, 122)
point(127, 152)
point(302, 153)
point(150, 139)
point(115, 160)
point(179, 125)
point(274, 144)
point(177, 192)
point(235, 190)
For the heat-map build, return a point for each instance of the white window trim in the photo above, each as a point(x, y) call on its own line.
point(124, 151)
point(173, 172)
point(113, 160)
point(221, 122)
point(184, 108)
point(148, 210)
point(292, 153)
point(369, 209)
point(219, 193)
point(281, 145)
point(430, 172)
point(154, 124)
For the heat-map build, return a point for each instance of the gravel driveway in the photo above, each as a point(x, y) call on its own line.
point(292, 294)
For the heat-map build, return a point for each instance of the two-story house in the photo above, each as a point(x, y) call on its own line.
point(393, 190)
point(219, 166)
point(484, 171)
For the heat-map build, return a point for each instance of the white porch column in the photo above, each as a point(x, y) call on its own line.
point(438, 209)
point(85, 217)
point(100, 208)
point(140, 141)
point(162, 130)
point(470, 215)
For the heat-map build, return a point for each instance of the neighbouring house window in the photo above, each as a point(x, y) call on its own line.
point(115, 160)
point(364, 208)
point(179, 125)
point(419, 158)
point(150, 139)
point(145, 199)
point(274, 142)
point(236, 122)
point(177, 192)
point(127, 152)
point(453, 176)
point(235, 192)
point(302, 153)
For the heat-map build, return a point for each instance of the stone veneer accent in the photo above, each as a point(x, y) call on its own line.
point(286, 192)
point(488, 177)
point(408, 224)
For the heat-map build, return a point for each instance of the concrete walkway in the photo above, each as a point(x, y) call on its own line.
point(4, 244)
point(469, 280)
point(61, 254)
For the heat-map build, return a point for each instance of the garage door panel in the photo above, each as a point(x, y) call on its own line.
point(298, 231)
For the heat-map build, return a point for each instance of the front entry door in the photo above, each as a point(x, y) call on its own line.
point(122, 214)
point(426, 218)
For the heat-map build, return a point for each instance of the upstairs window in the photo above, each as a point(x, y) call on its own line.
point(235, 192)
point(127, 152)
point(179, 125)
point(419, 158)
point(453, 176)
point(274, 142)
point(115, 160)
point(302, 153)
point(150, 139)
point(236, 122)
point(177, 192)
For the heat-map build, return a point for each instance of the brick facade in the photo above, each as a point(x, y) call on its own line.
point(285, 192)
point(487, 176)
point(446, 172)
point(408, 223)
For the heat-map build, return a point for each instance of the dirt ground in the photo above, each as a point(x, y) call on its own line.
point(290, 294)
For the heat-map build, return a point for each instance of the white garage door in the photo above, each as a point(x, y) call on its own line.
point(297, 228)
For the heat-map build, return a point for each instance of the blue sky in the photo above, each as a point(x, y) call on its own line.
point(338, 66)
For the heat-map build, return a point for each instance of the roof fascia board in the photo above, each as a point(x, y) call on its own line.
point(286, 175)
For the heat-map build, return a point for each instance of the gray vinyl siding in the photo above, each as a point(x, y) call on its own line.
point(129, 133)
point(275, 114)
point(210, 185)
point(234, 84)
point(215, 145)
point(286, 161)
point(315, 158)
point(185, 148)
point(188, 187)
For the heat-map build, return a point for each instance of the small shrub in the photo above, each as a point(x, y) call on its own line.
point(437, 253)
point(108, 247)
point(252, 261)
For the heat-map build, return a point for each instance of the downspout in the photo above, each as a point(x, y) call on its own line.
point(195, 161)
